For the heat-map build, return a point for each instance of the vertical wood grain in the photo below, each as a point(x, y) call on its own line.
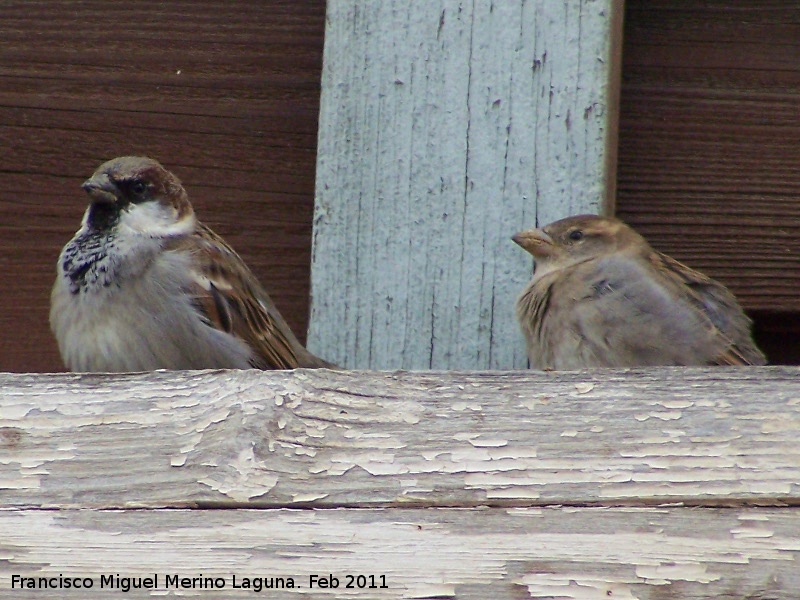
point(446, 127)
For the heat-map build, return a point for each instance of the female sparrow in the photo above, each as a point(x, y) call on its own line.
point(144, 285)
point(602, 297)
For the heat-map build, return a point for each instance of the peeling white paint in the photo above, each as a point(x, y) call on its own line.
point(216, 416)
point(713, 439)
point(667, 574)
point(25, 483)
point(422, 591)
point(381, 441)
point(751, 532)
point(520, 492)
point(307, 497)
point(239, 491)
point(432, 455)
point(420, 492)
point(417, 555)
point(578, 586)
point(753, 516)
point(530, 403)
point(242, 448)
point(669, 488)
point(191, 443)
point(489, 442)
point(473, 406)
point(330, 468)
point(316, 429)
point(176, 403)
point(674, 433)
point(785, 423)
point(253, 478)
point(676, 404)
point(711, 450)
point(672, 415)
point(13, 412)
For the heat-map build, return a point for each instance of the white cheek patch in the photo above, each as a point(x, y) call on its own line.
point(155, 219)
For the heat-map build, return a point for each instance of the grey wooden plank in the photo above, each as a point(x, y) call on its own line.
point(649, 554)
point(444, 129)
point(335, 438)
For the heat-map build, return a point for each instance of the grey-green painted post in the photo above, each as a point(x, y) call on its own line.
point(446, 127)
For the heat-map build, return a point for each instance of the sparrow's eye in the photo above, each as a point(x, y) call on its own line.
point(135, 189)
point(575, 235)
point(138, 188)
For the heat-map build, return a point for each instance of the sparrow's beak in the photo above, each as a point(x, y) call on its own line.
point(535, 241)
point(100, 189)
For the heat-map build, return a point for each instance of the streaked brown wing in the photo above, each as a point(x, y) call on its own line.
point(233, 301)
point(719, 305)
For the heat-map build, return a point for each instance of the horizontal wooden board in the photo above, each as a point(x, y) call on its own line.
point(364, 439)
point(624, 553)
point(710, 141)
point(225, 95)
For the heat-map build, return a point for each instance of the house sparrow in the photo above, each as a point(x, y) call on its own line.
point(144, 285)
point(602, 297)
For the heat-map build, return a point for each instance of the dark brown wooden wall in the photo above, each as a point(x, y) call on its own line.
point(709, 151)
point(224, 94)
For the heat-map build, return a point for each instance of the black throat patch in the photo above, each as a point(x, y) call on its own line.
point(103, 216)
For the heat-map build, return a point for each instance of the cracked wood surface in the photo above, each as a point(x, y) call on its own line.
point(293, 474)
point(556, 552)
point(366, 439)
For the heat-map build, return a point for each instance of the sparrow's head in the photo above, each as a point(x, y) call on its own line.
point(137, 192)
point(578, 238)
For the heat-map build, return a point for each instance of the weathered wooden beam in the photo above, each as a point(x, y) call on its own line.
point(622, 553)
point(445, 128)
point(365, 439)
